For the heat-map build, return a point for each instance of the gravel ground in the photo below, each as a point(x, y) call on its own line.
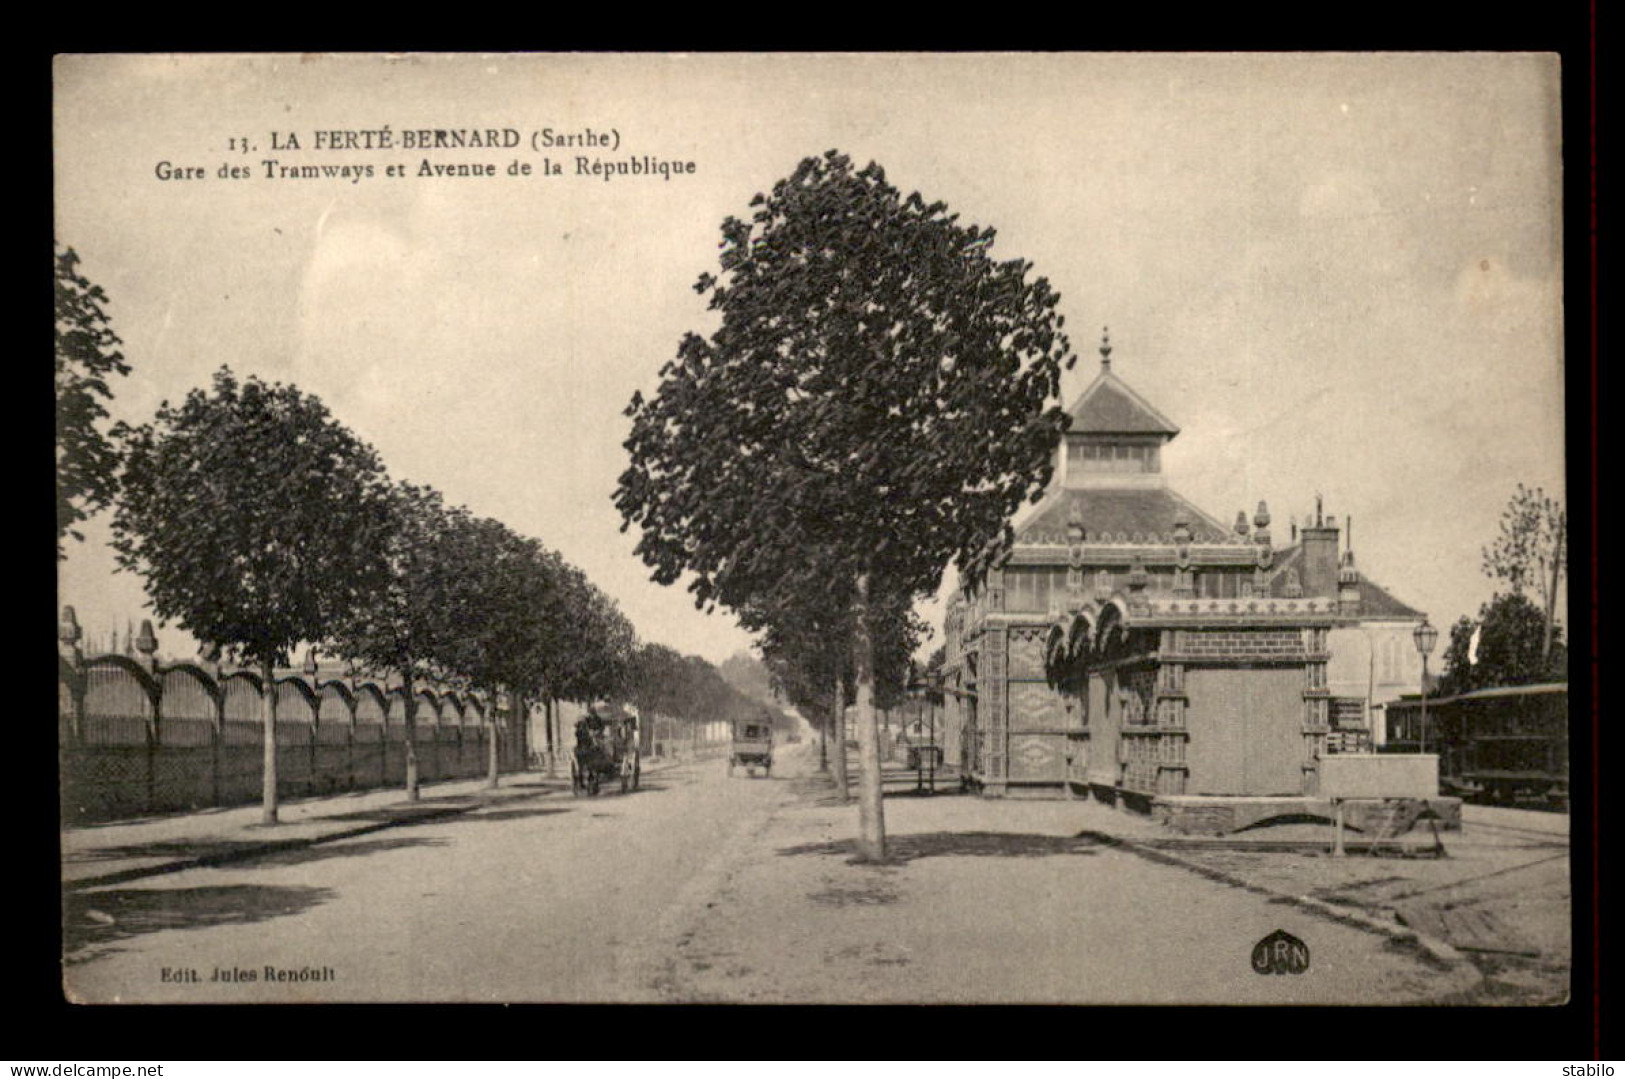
point(1511, 864)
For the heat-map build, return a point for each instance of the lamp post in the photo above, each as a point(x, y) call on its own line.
point(1425, 637)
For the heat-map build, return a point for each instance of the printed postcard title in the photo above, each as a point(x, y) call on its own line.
point(357, 155)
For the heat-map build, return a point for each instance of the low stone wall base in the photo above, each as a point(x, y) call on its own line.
point(1216, 815)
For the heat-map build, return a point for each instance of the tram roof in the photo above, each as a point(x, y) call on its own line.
point(1486, 694)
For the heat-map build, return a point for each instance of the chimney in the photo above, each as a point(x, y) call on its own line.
point(1348, 595)
point(1320, 569)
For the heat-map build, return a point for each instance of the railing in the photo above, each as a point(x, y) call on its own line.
point(138, 738)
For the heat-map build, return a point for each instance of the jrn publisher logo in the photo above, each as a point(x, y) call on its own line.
point(1280, 953)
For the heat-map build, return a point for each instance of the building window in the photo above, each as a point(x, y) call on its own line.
point(1217, 585)
point(1095, 457)
point(1392, 661)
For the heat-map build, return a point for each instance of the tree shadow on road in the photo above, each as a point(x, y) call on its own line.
point(409, 811)
point(323, 851)
point(911, 791)
point(908, 848)
point(204, 849)
point(236, 852)
point(505, 814)
point(92, 922)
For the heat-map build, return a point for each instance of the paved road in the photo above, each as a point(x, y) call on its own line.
point(702, 887)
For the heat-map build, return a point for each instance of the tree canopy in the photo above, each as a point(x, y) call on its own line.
point(403, 626)
point(88, 355)
point(1531, 551)
point(876, 399)
point(879, 398)
point(1511, 650)
point(257, 520)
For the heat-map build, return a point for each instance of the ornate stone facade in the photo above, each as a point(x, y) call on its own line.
point(1134, 646)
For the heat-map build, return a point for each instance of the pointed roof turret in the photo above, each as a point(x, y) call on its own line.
point(1109, 407)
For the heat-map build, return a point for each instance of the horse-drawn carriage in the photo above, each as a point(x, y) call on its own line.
point(752, 748)
point(606, 750)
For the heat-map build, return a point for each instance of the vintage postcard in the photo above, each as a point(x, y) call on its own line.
point(1124, 496)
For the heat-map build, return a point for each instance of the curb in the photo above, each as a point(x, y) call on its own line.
point(277, 846)
point(1436, 949)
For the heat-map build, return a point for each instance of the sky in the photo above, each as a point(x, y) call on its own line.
point(1339, 274)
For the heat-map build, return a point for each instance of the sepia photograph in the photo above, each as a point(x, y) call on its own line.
point(824, 528)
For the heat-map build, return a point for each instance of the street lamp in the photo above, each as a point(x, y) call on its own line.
point(1425, 637)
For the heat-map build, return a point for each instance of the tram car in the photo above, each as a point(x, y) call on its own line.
point(1503, 746)
point(752, 748)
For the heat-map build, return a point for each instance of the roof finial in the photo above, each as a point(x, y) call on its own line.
point(1105, 348)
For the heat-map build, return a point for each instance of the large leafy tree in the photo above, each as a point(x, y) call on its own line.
point(404, 625)
point(1513, 646)
point(598, 663)
point(1460, 675)
point(1531, 552)
point(531, 623)
point(88, 355)
point(258, 522)
point(880, 397)
point(1511, 650)
point(498, 601)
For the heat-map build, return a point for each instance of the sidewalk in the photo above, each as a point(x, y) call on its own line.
point(1498, 899)
point(1011, 901)
point(98, 855)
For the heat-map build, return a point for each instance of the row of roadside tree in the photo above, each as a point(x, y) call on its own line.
point(260, 523)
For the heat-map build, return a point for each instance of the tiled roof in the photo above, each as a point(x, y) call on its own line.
point(1375, 600)
point(1108, 406)
point(1124, 512)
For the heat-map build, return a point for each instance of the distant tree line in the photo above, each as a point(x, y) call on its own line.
point(693, 690)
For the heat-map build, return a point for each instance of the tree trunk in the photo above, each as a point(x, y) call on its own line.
point(871, 811)
point(491, 751)
point(412, 792)
point(823, 746)
point(549, 718)
point(1551, 600)
point(839, 756)
point(268, 799)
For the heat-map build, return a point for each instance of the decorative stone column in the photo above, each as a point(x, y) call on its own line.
point(993, 698)
point(1316, 706)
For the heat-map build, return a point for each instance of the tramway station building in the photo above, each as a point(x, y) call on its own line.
point(1135, 648)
